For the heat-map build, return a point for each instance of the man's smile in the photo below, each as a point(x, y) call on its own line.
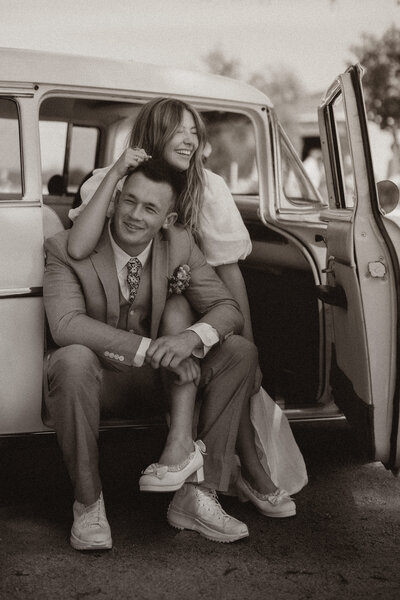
point(133, 226)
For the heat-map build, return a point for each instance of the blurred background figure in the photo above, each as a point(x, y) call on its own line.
point(314, 167)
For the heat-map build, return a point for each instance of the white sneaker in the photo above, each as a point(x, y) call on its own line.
point(90, 530)
point(196, 507)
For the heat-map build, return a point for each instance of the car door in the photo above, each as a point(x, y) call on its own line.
point(21, 264)
point(361, 290)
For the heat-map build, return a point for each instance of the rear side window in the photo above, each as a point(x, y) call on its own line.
point(10, 152)
point(68, 153)
point(231, 150)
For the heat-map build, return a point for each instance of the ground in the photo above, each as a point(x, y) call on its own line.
point(343, 543)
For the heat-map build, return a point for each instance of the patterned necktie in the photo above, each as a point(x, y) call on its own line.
point(134, 267)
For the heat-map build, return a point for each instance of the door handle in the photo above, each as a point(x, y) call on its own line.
point(332, 294)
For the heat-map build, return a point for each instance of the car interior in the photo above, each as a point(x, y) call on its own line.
point(79, 134)
point(279, 281)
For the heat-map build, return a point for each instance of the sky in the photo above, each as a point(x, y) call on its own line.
point(310, 37)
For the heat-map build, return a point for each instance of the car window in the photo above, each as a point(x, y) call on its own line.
point(296, 188)
point(344, 164)
point(231, 150)
point(68, 153)
point(10, 151)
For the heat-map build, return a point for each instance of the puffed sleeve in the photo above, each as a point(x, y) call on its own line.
point(224, 238)
point(88, 189)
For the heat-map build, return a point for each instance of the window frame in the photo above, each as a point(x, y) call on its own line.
point(20, 198)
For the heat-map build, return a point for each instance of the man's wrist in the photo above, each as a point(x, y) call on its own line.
point(194, 338)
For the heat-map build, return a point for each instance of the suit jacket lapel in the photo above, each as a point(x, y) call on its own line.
point(103, 261)
point(159, 281)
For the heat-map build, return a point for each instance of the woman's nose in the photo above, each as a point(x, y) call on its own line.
point(188, 137)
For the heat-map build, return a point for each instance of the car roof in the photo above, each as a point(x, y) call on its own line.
point(32, 66)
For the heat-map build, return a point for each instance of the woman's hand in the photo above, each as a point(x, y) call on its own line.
point(130, 159)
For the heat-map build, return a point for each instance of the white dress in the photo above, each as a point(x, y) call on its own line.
point(225, 240)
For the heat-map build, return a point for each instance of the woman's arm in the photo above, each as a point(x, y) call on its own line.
point(233, 279)
point(87, 228)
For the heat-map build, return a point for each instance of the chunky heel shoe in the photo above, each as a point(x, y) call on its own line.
point(278, 504)
point(197, 477)
point(170, 478)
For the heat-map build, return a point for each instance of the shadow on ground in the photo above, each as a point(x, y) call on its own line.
point(342, 543)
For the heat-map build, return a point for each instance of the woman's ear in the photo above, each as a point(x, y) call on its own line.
point(170, 220)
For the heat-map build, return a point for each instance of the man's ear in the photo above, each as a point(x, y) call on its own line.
point(170, 220)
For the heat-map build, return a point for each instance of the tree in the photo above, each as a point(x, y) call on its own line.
point(218, 63)
point(381, 82)
point(279, 83)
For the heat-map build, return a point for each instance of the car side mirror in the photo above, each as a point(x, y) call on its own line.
point(388, 195)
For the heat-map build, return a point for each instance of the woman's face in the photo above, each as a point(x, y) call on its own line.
point(184, 142)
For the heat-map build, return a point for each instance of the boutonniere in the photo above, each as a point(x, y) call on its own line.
point(179, 280)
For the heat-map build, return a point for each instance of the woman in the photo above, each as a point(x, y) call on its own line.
point(173, 130)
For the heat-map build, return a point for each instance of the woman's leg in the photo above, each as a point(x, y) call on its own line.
point(177, 316)
point(251, 467)
point(179, 442)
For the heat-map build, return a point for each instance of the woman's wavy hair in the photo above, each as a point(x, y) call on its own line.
point(155, 124)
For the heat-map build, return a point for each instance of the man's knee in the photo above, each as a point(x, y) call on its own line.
point(236, 354)
point(72, 364)
point(238, 349)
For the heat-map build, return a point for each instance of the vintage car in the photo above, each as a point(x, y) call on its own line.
point(323, 276)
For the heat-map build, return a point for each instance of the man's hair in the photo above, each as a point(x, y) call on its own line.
point(159, 171)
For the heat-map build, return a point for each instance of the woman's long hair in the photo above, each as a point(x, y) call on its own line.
point(155, 124)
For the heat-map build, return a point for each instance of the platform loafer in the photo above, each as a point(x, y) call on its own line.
point(170, 478)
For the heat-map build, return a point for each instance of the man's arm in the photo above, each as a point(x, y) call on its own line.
point(66, 311)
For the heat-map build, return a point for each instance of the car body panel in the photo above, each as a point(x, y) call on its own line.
point(359, 261)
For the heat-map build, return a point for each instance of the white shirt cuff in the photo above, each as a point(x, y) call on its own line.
point(208, 335)
point(141, 352)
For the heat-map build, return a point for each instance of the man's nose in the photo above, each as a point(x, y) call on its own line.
point(136, 212)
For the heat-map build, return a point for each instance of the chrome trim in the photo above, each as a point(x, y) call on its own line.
point(20, 203)
point(22, 292)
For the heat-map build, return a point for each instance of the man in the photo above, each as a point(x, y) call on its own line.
point(106, 320)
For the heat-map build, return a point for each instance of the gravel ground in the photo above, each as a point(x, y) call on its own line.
point(343, 543)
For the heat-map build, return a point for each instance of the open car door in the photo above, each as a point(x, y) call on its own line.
point(362, 274)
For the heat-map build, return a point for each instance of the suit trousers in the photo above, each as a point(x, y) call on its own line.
point(82, 388)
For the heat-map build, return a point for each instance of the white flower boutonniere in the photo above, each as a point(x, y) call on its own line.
point(180, 280)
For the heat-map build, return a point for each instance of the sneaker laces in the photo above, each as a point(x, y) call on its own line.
point(209, 500)
point(93, 515)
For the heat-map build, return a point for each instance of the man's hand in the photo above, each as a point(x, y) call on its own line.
point(188, 371)
point(170, 350)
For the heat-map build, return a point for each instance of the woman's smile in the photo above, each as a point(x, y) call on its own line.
point(180, 148)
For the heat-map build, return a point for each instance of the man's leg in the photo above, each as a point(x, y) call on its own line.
point(228, 377)
point(73, 404)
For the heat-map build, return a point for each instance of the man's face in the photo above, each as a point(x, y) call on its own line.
point(143, 208)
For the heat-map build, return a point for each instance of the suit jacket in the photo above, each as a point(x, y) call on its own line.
point(82, 297)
